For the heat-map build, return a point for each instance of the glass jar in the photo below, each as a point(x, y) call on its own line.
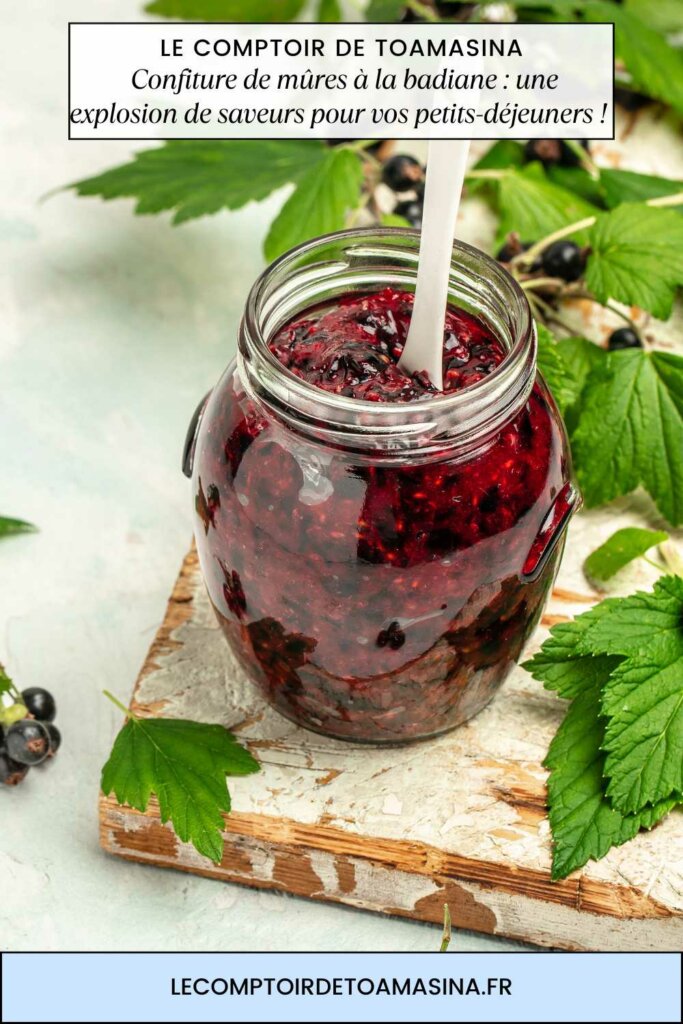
point(377, 568)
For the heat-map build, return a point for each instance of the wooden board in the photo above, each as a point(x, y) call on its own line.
point(460, 819)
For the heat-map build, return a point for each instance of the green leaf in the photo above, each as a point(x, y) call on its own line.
point(384, 10)
point(565, 366)
point(184, 763)
point(534, 207)
point(555, 370)
point(502, 155)
point(319, 204)
point(628, 187)
point(8, 527)
point(584, 825)
point(329, 10)
point(5, 682)
point(665, 15)
point(630, 430)
point(577, 181)
point(580, 357)
point(643, 698)
point(620, 549)
point(637, 257)
point(563, 666)
point(227, 10)
point(654, 65)
point(198, 177)
point(394, 220)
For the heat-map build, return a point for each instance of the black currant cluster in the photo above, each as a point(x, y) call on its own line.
point(28, 735)
point(406, 176)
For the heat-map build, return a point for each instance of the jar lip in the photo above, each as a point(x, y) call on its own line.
point(276, 380)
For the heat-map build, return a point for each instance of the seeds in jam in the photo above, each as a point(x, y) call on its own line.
point(353, 349)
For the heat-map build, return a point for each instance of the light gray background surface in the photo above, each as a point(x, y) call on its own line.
point(112, 328)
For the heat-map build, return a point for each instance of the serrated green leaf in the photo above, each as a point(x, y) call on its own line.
point(644, 736)
point(329, 11)
point(227, 10)
point(637, 257)
point(585, 826)
point(621, 548)
point(554, 369)
point(8, 526)
point(630, 430)
point(655, 66)
point(643, 698)
point(198, 177)
point(563, 666)
point(580, 357)
point(319, 204)
point(534, 207)
point(629, 187)
point(184, 763)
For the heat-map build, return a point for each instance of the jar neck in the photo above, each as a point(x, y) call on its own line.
point(366, 260)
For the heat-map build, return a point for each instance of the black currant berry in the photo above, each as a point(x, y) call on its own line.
point(411, 209)
point(553, 151)
point(55, 738)
point(563, 259)
point(40, 703)
point(11, 772)
point(629, 100)
point(28, 742)
point(623, 337)
point(402, 173)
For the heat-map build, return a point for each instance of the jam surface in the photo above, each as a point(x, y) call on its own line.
point(373, 601)
point(353, 349)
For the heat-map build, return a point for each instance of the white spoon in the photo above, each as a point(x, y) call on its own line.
point(446, 163)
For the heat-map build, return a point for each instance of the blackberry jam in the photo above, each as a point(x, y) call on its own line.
point(376, 552)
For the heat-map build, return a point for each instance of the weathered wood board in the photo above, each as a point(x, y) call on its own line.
point(460, 819)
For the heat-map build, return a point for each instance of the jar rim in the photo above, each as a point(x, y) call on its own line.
point(486, 404)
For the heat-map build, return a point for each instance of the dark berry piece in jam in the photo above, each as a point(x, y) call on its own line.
point(40, 703)
point(354, 347)
point(28, 742)
point(412, 210)
point(402, 173)
point(623, 337)
point(563, 259)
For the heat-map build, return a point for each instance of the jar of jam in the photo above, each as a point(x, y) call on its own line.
point(376, 552)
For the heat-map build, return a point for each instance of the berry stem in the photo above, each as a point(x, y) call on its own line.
point(122, 707)
point(656, 565)
point(542, 282)
point(549, 314)
point(585, 160)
